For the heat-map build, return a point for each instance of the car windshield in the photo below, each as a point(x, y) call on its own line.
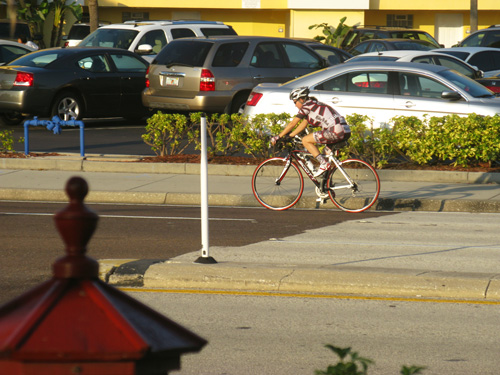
point(415, 35)
point(460, 55)
point(373, 58)
point(79, 32)
point(415, 45)
point(111, 38)
point(469, 85)
point(187, 53)
point(214, 31)
point(38, 59)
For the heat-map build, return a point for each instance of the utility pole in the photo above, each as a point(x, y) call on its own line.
point(93, 14)
point(473, 16)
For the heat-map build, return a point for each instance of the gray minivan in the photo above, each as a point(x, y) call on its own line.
point(217, 74)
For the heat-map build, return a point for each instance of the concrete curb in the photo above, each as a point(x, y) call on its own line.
point(129, 164)
point(312, 279)
point(247, 200)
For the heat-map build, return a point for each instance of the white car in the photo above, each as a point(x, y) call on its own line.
point(424, 57)
point(77, 33)
point(147, 38)
point(486, 59)
point(381, 90)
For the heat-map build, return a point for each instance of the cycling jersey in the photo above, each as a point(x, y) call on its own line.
point(333, 126)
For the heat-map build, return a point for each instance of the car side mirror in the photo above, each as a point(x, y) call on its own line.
point(144, 49)
point(451, 95)
point(479, 74)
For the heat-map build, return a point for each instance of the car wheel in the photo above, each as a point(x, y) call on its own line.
point(67, 106)
point(11, 118)
point(238, 103)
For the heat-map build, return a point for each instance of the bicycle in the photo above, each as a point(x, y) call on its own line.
point(352, 185)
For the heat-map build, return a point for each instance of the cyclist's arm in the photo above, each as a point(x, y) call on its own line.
point(292, 124)
point(299, 128)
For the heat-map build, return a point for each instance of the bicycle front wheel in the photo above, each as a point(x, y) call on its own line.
point(356, 191)
point(277, 186)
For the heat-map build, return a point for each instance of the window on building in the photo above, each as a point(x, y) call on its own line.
point(135, 16)
point(400, 20)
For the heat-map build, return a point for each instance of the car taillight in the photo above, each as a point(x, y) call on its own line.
point(254, 98)
point(23, 79)
point(207, 81)
point(66, 44)
point(147, 77)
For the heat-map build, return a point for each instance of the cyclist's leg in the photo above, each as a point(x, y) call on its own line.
point(310, 144)
point(318, 137)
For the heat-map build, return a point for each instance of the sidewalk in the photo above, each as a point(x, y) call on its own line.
point(123, 180)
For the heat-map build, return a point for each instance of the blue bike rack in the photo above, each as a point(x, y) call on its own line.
point(54, 125)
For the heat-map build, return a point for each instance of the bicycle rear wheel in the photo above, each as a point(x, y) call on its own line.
point(364, 191)
point(275, 186)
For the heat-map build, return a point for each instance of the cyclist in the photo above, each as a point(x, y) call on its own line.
point(334, 128)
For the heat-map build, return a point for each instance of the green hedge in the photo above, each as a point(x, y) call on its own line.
point(463, 141)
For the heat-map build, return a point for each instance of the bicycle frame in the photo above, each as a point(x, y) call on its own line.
point(296, 155)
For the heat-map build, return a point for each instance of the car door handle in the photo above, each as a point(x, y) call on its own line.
point(409, 104)
point(336, 100)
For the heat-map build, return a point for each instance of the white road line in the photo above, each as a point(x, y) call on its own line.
point(134, 217)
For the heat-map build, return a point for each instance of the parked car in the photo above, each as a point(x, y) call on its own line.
point(21, 28)
point(358, 34)
point(489, 37)
point(485, 58)
point(147, 38)
point(381, 90)
point(73, 83)
point(379, 45)
point(77, 33)
point(333, 55)
point(425, 57)
point(216, 74)
point(12, 50)
point(492, 83)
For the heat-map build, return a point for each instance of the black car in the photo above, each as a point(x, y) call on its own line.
point(331, 54)
point(73, 83)
point(379, 45)
point(358, 34)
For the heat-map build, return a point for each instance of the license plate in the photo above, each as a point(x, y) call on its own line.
point(172, 81)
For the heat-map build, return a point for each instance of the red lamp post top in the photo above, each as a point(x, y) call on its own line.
point(77, 319)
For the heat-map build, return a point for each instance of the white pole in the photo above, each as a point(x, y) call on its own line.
point(205, 257)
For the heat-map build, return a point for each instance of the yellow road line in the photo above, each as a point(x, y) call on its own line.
point(306, 295)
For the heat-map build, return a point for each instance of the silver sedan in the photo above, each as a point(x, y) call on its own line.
point(381, 90)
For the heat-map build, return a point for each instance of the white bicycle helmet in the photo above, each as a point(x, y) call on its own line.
point(301, 92)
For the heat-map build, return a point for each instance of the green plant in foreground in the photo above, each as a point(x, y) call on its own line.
point(331, 35)
point(350, 363)
point(6, 140)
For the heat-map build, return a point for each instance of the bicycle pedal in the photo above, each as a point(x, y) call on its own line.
point(322, 200)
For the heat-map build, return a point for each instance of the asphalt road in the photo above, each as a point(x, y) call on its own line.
point(30, 242)
point(258, 334)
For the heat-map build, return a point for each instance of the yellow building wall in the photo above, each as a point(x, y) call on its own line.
point(272, 18)
point(245, 22)
point(425, 20)
point(448, 5)
point(301, 20)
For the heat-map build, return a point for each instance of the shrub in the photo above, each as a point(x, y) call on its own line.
point(166, 133)
point(6, 140)
point(463, 141)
